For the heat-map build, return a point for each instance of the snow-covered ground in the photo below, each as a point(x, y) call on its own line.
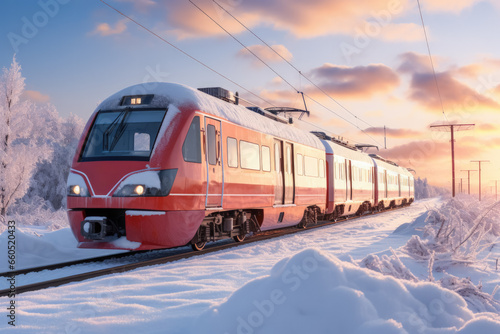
point(364, 276)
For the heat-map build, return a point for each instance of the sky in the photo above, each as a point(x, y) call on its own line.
point(369, 59)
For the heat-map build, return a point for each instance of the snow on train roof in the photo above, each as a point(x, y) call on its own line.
point(388, 166)
point(180, 95)
point(345, 152)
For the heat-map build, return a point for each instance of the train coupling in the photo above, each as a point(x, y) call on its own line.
point(97, 228)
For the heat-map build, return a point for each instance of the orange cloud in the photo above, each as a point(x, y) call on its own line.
point(394, 133)
point(453, 93)
point(302, 18)
point(356, 82)
point(265, 53)
point(429, 151)
point(487, 128)
point(360, 82)
point(104, 29)
point(36, 96)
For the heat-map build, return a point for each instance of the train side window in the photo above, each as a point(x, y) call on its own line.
point(249, 155)
point(191, 149)
point(311, 166)
point(266, 159)
point(300, 163)
point(321, 168)
point(212, 143)
point(142, 141)
point(232, 152)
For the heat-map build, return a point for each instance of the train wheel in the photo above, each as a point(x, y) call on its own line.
point(239, 238)
point(198, 246)
point(302, 224)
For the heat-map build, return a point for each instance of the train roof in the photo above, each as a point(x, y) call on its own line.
point(346, 152)
point(178, 95)
point(389, 165)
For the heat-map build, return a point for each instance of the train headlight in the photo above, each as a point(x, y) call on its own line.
point(147, 184)
point(76, 186)
point(76, 190)
point(139, 190)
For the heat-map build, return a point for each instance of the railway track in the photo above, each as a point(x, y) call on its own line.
point(183, 254)
point(69, 263)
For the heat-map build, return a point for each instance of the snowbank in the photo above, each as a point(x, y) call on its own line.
point(38, 249)
point(314, 292)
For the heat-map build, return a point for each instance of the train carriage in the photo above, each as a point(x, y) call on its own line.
point(163, 165)
point(394, 184)
point(351, 183)
point(169, 166)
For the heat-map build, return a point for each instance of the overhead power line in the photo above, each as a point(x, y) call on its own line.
point(222, 75)
point(186, 53)
point(432, 62)
point(290, 63)
point(275, 72)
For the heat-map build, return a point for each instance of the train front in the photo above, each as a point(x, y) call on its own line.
point(125, 166)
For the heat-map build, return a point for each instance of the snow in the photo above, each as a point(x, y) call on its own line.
point(122, 242)
point(177, 95)
point(352, 277)
point(37, 247)
point(313, 291)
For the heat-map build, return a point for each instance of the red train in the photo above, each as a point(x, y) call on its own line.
point(163, 165)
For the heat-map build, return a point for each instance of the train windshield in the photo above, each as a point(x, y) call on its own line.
point(123, 135)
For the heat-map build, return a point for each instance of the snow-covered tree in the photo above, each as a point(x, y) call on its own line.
point(48, 184)
point(18, 154)
point(424, 190)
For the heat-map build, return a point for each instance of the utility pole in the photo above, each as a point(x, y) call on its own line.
point(468, 177)
point(452, 128)
point(385, 139)
point(479, 161)
point(461, 184)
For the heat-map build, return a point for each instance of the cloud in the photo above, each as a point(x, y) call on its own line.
point(36, 96)
point(265, 53)
point(453, 6)
point(453, 93)
point(485, 127)
point(428, 151)
point(304, 19)
point(104, 29)
point(355, 82)
point(412, 62)
point(398, 32)
point(140, 4)
point(394, 133)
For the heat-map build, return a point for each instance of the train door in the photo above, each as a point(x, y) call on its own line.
point(386, 185)
point(279, 188)
point(373, 174)
point(349, 180)
point(288, 174)
point(215, 166)
point(399, 184)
